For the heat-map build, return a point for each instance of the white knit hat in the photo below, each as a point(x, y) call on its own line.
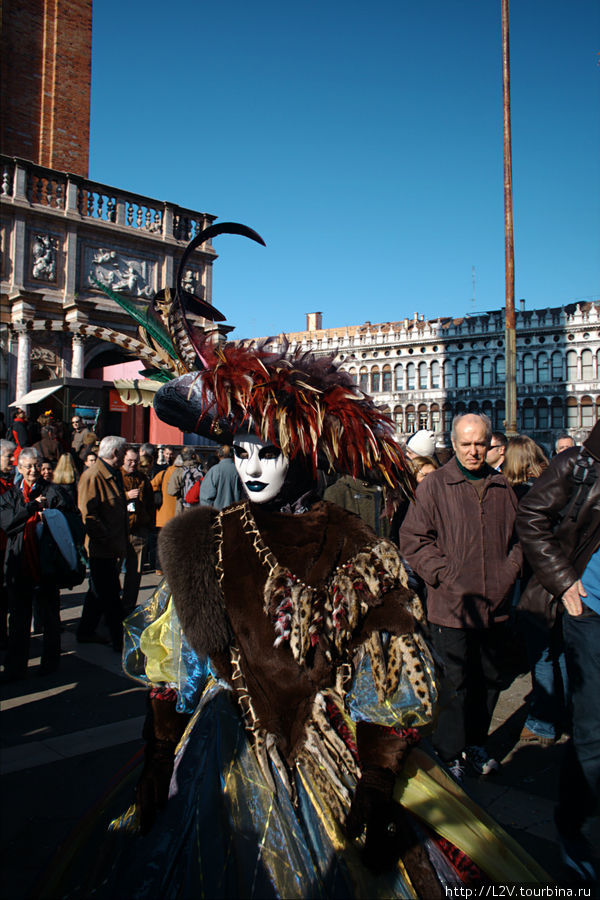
point(422, 443)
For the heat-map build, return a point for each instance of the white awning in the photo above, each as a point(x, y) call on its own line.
point(35, 396)
point(137, 391)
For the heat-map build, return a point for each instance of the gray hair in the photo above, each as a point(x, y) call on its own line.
point(7, 447)
point(148, 449)
point(29, 453)
point(485, 419)
point(110, 445)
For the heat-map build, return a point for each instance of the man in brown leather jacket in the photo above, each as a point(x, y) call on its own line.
point(459, 537)
point(559, 527)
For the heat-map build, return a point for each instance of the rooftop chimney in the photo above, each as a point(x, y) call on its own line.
point(314, 321)
point(522, 304)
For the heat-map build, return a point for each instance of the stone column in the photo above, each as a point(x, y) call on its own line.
point(77, 359)
point(23, 364)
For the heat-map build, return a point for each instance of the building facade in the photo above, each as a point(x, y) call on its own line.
point(62, 236)
point(64, 342)
point(423, 372)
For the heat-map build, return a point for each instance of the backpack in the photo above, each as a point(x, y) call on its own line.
point(190, 477)
point(62, 554)
point(584, 475)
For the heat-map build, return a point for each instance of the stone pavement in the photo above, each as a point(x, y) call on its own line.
point(65, 736)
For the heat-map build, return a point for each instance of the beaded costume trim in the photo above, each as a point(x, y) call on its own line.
point(301, 613)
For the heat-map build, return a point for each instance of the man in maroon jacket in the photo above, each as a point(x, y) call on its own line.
point(459, 536)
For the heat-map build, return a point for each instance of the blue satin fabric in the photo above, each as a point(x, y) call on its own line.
point(155, 651)
point(403, 708)
point(225, 834)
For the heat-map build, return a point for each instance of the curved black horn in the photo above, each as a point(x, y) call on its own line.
point(211, 232)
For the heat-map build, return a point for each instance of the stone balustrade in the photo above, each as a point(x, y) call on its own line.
point(38, 186)
point(70, 234)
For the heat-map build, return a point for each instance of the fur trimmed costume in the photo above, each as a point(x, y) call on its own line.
point(284, 653)
point(283, 624)
point(290, 609)
point(294, 644)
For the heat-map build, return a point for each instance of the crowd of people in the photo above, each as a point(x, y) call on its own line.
point(499, 542)
point(114, 498)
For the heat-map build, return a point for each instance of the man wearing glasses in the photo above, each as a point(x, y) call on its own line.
point(78, 442)
point(495, 455)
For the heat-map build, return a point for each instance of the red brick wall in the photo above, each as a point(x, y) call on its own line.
point(45, 59)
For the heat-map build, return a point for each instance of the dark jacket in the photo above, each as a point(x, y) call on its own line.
point(103, 508)
point(141, 519)
point(6, 483)
point(48, 448)
point(363, 499)
point(69, 492)
point(14, 513)
point(557, 548)
point(463, 547)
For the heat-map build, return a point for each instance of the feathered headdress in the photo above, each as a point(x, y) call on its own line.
point(306, 405)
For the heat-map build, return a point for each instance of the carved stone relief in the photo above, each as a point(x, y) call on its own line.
point(192, 282)
point(115, 270)
point(44, 253)
point(46, 358)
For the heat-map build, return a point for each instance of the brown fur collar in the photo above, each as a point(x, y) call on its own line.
point(186, 548)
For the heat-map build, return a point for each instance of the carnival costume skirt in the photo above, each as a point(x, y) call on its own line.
point(225, 834)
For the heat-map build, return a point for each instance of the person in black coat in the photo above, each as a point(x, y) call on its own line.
point(559, 528)
point(21, 519)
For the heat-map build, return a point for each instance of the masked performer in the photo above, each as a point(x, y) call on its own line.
point(305, 644)
point(287, 670)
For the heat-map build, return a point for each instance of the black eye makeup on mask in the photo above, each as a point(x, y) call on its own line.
point(269, 451)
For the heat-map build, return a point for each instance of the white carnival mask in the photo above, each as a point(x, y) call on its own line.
point(262, 467)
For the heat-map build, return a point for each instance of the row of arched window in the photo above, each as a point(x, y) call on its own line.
point(531, 416)
point(474, 371)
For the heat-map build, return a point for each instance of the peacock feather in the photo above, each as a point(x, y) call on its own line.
point(140, 313)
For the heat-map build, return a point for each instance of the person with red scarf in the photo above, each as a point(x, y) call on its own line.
point(20, 518)
point(19, 431)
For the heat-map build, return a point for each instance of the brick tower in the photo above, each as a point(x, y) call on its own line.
point(46, 54)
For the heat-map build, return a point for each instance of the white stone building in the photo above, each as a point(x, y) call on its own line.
point(423, 372)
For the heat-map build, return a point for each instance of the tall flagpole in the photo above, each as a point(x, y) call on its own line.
point(509, 249)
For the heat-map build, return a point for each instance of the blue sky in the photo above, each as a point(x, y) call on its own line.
point(364, 142)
